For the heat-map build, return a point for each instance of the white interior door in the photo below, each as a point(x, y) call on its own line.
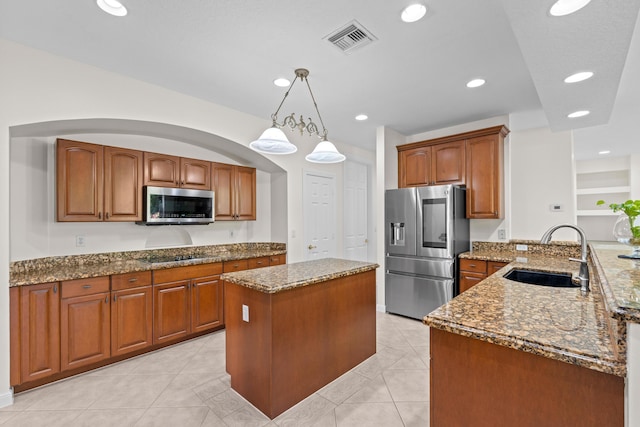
point(319, 215)
point(355, 211)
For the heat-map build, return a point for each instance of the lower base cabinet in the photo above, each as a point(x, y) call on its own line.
point(131, 312)
point(186, 300)
point(84, 322)
point(474, 271)
point(62, 328)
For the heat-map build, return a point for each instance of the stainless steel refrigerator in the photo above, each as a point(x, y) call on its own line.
point(425, 230)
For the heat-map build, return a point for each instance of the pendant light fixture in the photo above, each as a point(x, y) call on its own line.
point(274, 141)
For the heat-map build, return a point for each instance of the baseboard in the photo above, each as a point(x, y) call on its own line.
point(6, 399)
point(381, 308)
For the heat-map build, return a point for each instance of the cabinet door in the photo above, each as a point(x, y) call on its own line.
point(40, 331)
point(414, 167)
point(224, 188)
point(206, 303)
point(171, 311)
point(131, 320)
point(245, 196)
point(79, 181)
point(484, 177)
point(84, 336)
point(161, 170)
point(448, 163)
point(123, 179)
point(468, 280)
point(195, 174)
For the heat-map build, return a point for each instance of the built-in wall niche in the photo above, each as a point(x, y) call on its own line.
point(601, 179)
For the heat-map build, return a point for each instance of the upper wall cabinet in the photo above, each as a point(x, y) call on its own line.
point(97, 183)
point(162, 170)
point(472, 159)
point(431, 165)
point(235, 192)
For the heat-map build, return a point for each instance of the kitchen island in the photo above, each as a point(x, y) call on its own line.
point(509, 353)
point(292, 329)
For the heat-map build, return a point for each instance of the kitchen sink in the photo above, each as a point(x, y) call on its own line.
point(542, 278)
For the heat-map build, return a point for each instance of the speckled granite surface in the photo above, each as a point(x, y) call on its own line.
point(558, 323)
point(283, 277)
point(53, 269)
point(620, 280)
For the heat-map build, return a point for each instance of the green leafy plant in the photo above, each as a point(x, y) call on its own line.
point(632, 209)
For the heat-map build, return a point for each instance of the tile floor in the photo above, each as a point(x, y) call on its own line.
point(186, 385)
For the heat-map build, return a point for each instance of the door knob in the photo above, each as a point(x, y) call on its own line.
point(311, 247)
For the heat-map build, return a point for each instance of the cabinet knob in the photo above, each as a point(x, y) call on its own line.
point(106, 216)
point(311, 247)
point(133, 279)
point(55, 289)
point(106, 299)
point(99, 215)
point(86, 286)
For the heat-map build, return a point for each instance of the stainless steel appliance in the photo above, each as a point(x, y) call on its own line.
point(425, 230)
point(177, 206)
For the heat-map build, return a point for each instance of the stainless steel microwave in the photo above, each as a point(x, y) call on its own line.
point(163, 206)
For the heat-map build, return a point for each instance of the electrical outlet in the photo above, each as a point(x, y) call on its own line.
point(245, 313)
point(502, 234)
point(522, 248)
point(80, 241)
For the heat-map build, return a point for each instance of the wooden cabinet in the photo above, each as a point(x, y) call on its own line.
point(79, 181)
point(207, 308)
point(258, 262)
point(235, 192)
point(84, 322)
point(473, 271)
point(277, 259)
point(162, 170)
point(236, 265)
point(432, 165)
point(39, 331)
point(484, 176)
point(178, 309)
point(97, 183)
point(131, 312)
point(473, 159)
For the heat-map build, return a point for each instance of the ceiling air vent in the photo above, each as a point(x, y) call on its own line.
point(350, 37)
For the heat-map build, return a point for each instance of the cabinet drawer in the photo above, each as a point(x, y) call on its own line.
point(277, 259)
point(79, 287)
point(258, 262)
point(238, 265)
point(473, 265)
point(493, 266)
point(130, 280)
point(186, 273)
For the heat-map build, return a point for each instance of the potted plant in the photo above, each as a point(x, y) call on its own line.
point(625, 229)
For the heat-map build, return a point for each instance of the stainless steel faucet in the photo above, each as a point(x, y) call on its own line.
point(583, 275)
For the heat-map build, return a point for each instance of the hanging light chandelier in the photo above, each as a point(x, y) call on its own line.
point(274, 141)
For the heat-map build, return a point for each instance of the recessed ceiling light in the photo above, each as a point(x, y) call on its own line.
point(361, 117)
point(413, 13)
point(476, 83)
point(281, 82)
point(112, 7)
point(580, 113)
point(604, 152)
point(578, 77)
point(567, 7)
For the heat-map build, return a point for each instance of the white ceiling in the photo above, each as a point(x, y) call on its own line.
point(412, 78)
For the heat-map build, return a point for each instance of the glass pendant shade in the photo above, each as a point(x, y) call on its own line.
point(325, 152)
point(273, 141)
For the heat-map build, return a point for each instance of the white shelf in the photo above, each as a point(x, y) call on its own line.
point(604, 190)
point(597, 212)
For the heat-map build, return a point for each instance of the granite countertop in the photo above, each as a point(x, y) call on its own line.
point(54, 269)
point(558, 323)
point(289, 276)
point(620, 280)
